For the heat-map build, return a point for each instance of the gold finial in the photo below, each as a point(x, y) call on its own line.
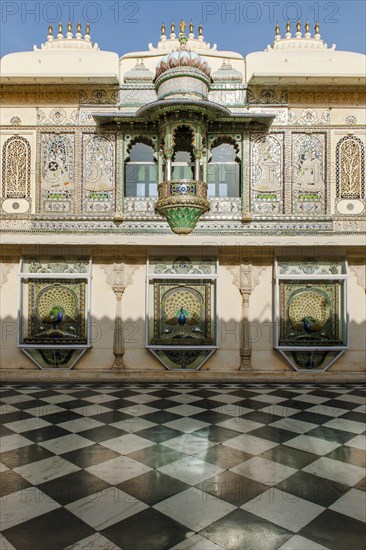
point(60, 28)
point(87, 28)
point(191, 27)
point(298, 26)
point(200, 29)
point(78, 28)
point(69, 27)
point(288, 27)
point(307, 27)
point(277, 29)
point(50, 30)
point(182, 26)
point(172, 27)
point(163, 29)
point(317, 28)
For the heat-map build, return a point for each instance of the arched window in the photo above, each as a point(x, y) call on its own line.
point(223, 175)
point(183, 158)
point(16, 168)
point(141, 179)
point(350, 159)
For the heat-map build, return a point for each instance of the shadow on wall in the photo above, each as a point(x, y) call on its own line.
point(136, 358)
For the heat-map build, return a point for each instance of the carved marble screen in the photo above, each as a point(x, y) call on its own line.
point(57, 173)
point(54, 328)
point(350, 161)
point(267, 173)
point(99, 173)
point(308, 173)
point(16, 168)
point(182, 311)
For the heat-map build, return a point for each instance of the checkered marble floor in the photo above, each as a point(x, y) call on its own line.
point(183, 466)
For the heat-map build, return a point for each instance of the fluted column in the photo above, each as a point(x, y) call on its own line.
point(245, 291)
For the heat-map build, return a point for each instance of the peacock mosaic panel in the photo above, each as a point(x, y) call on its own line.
point(56, 312)
point(308, 173)
point(57, 173)
point(183, 314)
point(267, 173)
point(99, 173)
point(182, 310)
point(310, 313)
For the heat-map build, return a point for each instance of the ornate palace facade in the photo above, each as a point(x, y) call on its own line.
point(183, 212)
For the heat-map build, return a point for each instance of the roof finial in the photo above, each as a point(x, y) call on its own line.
point(87, 31)
point(69, 27)
point(78, 30)
point(288, 29)
point(317, 30)
point(298, 26)
point(277, 29)
point(191, 27)
point(182, 27)
point(200, 32)
point(162, 29)
point(60, 35)
point(172, 30)
point(50, 31)
point(307, 29)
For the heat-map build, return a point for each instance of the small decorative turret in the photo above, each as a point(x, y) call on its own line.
point(299, 41)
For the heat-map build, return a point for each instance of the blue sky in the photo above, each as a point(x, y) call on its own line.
point(124, 26)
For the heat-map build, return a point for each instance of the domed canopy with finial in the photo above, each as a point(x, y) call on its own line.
point(182, 58)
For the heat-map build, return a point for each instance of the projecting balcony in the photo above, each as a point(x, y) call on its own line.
point(182, 202)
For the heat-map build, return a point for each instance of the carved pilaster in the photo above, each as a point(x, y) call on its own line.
point(245, 288)
point(118, 286)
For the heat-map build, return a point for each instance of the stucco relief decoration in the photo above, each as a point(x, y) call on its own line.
point(57, 178)
point(16, 168)
point(99, 170)
point(308, 169)
point(266, 173)
point(350, 160)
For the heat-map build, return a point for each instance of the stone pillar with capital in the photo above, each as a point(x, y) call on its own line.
point(118, 286)
point(245, 288)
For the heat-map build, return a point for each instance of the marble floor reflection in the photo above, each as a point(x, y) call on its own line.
point(182, 466)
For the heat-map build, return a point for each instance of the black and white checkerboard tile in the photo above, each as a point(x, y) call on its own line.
point(198, 466)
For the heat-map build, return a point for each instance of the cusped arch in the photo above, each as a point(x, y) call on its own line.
point(225, 139)
point(146, 140)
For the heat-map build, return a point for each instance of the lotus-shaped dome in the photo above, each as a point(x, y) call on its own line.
point(182, 58)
